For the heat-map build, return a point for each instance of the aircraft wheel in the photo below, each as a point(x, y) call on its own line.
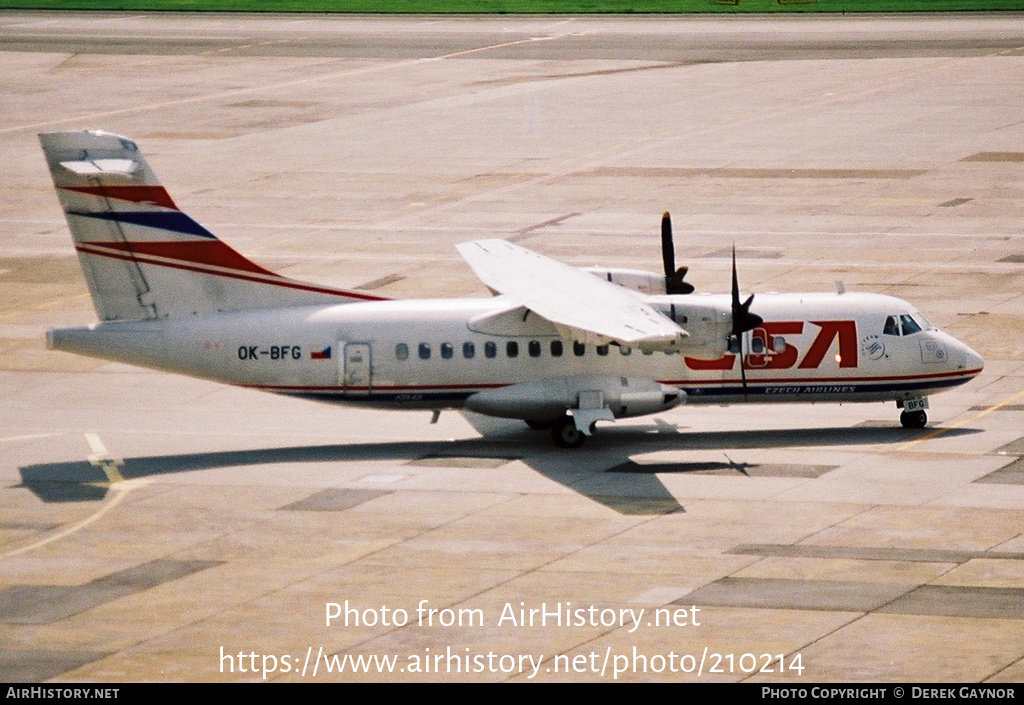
point(566, 435)
point(914, 419)
point(538, 425)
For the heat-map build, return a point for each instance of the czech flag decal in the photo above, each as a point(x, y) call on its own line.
point(324, 354)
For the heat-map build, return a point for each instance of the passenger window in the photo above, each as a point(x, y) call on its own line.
point(556, 348)
point(578, 348)
point(534, 348)
point(490, 349)
point(909, 325)
point(891, 326)
point(512, 348)
point(424, 351)
point(468, 351)
point(447, 351)
point(402, 351)
point(602, 349)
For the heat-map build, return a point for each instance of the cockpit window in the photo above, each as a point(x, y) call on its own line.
point(910, 326)
point(906, 324)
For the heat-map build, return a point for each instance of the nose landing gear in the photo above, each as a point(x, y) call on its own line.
point(914, 419)
point(914, 415)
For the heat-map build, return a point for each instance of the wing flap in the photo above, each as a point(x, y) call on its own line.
point(572, 299)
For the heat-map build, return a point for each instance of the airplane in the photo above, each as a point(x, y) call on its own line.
point(556, 346)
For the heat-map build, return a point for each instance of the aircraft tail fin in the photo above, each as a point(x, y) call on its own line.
point(142, 257)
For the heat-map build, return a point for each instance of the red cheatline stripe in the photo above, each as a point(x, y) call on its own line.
point(471, 387)
point(937, 376)
point(269, 279)
point(157, 195)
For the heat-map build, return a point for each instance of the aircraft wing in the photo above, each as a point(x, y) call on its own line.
point(578, 303)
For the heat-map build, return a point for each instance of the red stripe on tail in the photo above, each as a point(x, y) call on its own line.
point(209, 252)
point(155, 195)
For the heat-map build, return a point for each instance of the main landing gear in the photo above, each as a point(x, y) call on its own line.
point(914, 419)
point(566, 435)
point(563, 431)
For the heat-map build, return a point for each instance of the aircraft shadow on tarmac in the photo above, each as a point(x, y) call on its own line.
point(602, 471)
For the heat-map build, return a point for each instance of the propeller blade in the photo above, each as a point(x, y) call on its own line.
point(742, 321)
point(668, 250)
point(748, 320)
point(735, 287)
point(743, 370)
point(674, 283)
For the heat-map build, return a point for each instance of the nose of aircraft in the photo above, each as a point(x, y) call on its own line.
point(973, 360)
point(960, 355)
point(965, 358)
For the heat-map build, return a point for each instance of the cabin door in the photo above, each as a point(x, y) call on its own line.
point(356, 369)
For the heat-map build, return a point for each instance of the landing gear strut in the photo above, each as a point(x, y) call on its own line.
point(566, 435)
point(914, 419)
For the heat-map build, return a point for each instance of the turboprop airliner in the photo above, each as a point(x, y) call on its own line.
point(558, 347)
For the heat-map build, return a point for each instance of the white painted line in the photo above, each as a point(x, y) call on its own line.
point(100, 458)
point(96, 445)
point(119, 493)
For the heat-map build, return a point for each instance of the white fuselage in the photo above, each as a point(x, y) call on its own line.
point(561, 347)
point(437, 353)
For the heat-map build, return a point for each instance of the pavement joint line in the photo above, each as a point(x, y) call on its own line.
point(267, 87)
point(605, 156)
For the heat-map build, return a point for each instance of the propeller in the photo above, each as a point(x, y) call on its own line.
point(674, 283)
point(742, 319)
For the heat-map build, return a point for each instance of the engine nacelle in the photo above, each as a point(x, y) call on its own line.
point(708, 320)
point(638, 280)
point(548, 399)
